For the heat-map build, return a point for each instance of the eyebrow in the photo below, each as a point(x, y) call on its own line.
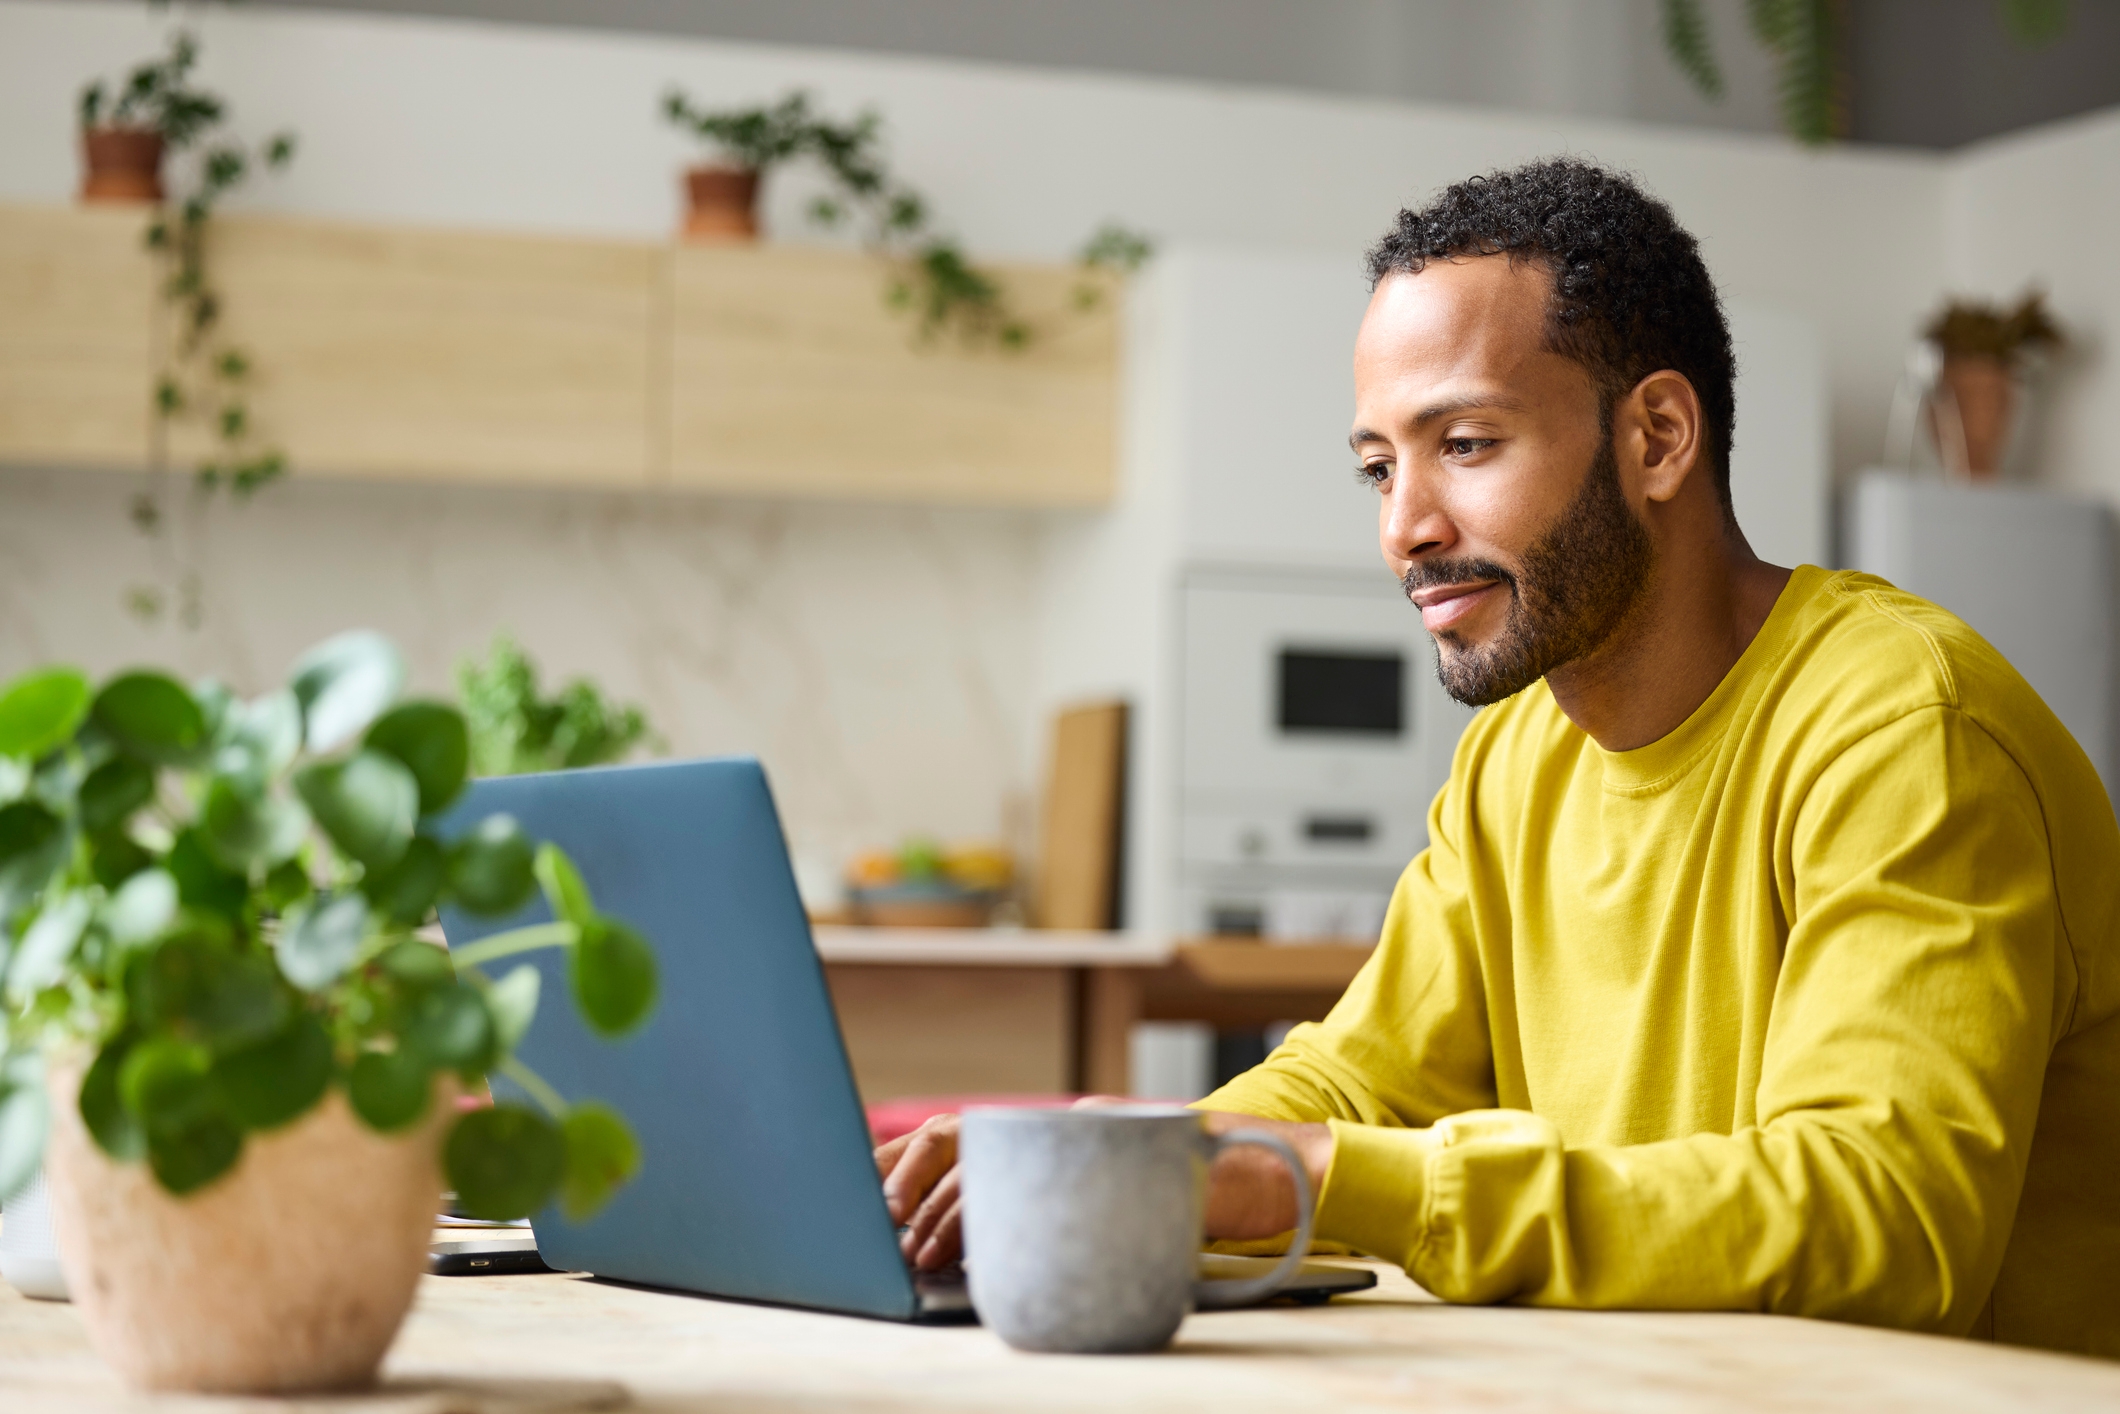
point(1426, 415)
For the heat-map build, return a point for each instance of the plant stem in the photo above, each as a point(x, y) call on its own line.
point(515, 940)
point(555, 1104)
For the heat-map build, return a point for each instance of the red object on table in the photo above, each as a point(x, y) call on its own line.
point(888, 1119)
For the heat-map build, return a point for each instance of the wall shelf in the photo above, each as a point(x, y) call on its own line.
point(446, 356)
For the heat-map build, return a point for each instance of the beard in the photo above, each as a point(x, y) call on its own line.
point(1577, 584)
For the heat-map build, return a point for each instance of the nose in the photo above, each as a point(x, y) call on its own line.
point(1411, 522)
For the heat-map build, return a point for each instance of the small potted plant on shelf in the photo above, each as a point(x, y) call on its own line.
point(246, 1060)
point(931, 277)
point(126, 134)
point(1984, 349)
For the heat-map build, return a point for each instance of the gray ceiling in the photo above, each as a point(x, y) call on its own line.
point(1926, 73)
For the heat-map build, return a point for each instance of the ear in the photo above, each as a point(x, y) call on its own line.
point(1659, 427)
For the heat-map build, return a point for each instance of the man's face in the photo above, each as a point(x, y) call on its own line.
point(1502, 510)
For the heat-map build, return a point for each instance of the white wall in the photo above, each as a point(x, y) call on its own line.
point(2043, 209)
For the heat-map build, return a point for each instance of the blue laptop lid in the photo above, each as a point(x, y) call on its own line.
point(756, 1178)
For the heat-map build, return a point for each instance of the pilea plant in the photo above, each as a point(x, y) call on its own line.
point(211, 903)
point(931, 277)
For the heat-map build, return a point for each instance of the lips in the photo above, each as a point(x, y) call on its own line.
point(1444, 606)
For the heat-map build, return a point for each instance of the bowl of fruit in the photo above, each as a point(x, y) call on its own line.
point(923, 885)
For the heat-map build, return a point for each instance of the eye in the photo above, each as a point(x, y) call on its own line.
point(1373, 473)
point(1466, 446)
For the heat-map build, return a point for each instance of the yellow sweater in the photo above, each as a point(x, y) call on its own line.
point(1812, 1006)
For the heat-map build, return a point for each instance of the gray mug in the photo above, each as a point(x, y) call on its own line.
point(1082, 1227)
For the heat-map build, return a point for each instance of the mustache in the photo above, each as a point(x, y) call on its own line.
point(1427, 574)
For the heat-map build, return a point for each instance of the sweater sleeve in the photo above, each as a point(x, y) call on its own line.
point(1916, 1006)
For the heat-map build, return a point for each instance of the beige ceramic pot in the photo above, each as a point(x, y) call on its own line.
point(121, 164)
point(1983, 393)
point(291, 1272)
point(722, 204)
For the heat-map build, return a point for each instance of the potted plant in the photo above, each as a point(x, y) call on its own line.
point(124, 136)
point(218, 1009)
point(516, 728)
point(930, 277)
point(1984, 350)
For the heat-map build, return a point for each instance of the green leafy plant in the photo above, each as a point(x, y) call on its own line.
point(204, 378)
point(931, 276)
point(515, 728)
point(1808, 40)
point(1974, 329)
point(212, 903)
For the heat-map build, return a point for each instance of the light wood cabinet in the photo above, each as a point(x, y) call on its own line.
point(457, 356)
point(789, 376)
point(444, 355)
point(77, 319)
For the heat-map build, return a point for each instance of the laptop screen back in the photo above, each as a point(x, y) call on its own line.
point(756, 1178)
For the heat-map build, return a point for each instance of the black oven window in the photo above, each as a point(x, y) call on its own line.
point(1361, 693)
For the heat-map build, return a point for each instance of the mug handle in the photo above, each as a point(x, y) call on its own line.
point(1243, 1291)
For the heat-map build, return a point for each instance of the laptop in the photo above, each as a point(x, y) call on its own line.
point(757, 1180)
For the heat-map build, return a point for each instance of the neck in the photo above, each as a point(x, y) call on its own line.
point(1702, 607)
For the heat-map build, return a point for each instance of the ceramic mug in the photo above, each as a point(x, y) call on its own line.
point(1082, 1227)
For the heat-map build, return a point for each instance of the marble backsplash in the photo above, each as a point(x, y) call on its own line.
point(877, 659)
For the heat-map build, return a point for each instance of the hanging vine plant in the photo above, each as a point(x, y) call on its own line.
point(130, 133)
point(930, 278)
point(1808, 39)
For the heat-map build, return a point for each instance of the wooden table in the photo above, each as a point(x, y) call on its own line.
point(544, 1344)
point(955, 1011)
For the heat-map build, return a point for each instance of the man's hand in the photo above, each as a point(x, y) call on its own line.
point(920, 1187)
point(1249, 1194)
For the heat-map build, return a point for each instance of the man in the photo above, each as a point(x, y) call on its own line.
point(1766, 951)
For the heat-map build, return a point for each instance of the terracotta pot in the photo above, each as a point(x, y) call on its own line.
point(1983, 391)
point(723, 204)
point(291, 1272)
point(121, 164)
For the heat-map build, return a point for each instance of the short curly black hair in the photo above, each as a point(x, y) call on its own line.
point(1631, 294)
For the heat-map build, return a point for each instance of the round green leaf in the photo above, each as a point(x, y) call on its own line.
point(151, 715)
point(202, 884)
point(612, 970)
point(343, 684)
point(389, 1089)
point(41, 957)
point(408, 890)
point(141, 908)
point(115, 1130)
point(33, 844)
point(503, 1162)
point(418, 965)
point(430, 740)
point(195, 980)
point(490, 867)
point(512, 1003)
point(258, 739)
point(164, 1084)
point(113, 859)
point(244, 824)
point(320, 937)
point(563, 886)
point(113, 791)
point(267, 1085)
point(366, 803)
point(24, 1118)
point(40, 712)
point(450, 1029)
point(186, 1160)
point(602, 1155)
